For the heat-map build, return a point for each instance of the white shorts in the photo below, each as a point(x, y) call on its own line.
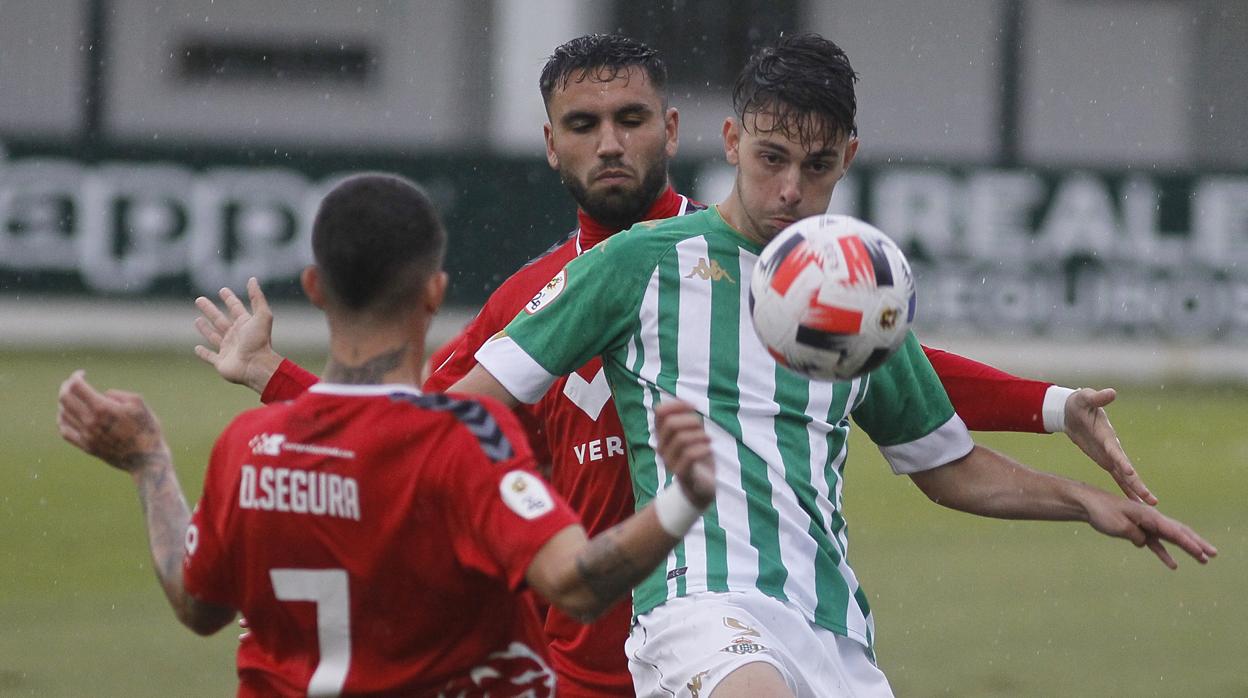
point(687, 646)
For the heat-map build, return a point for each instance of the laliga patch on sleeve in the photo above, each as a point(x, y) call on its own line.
point(549, 292)
point(525, 494)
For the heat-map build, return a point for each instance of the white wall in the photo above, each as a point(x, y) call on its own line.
point(526, 32)
point(422, 95)
point(1108, 82)
point(42, 64)
point(927, 74)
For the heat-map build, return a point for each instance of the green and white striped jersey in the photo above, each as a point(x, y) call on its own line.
point(666, 306)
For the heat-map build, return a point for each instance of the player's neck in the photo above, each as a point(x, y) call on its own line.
point(374, 358)
point(593, 231)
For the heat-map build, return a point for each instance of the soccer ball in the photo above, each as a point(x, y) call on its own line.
point(831, 297)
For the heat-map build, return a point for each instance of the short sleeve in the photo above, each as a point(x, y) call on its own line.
point(907, 413)
point(588, 308)
point(501, 512)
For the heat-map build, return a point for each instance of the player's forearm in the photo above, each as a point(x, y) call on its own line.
point(585, 578)
point(991, 484)
point(479, 381)
point(167, 517)
point(618, 559)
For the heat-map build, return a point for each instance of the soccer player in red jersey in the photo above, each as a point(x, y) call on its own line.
point(374, 536)
point(610, 135)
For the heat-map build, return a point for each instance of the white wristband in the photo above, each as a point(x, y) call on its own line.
point(1054, 408)
point(676, 513)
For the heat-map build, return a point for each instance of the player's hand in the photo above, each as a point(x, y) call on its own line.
point(115, 426)
point(1145, 526)
point(1088, 427)
point(686, 449)
point(240, 342)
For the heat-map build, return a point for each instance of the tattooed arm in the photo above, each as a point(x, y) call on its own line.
point(118, 428)
point(585, 578)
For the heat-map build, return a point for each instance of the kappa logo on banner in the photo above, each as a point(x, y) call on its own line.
point(550, 292)
point(525, 494)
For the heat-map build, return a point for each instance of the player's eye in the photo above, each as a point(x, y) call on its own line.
point(820, 167)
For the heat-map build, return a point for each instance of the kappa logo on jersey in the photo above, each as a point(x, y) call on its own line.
point(525, 494)
point(549, 292)
point(267, 444)
point(709, 271)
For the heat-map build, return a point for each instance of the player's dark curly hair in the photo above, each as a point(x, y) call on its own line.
point(376, 239)
point(600, 58)
point(806, 83)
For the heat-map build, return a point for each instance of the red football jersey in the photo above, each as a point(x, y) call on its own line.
point(577, 422)
point(376, 539)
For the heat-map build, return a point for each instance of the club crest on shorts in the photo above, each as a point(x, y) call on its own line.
point(525, 494)
point(549, 292)
point(744, 645)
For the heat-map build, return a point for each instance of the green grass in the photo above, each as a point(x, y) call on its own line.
point(964, 606)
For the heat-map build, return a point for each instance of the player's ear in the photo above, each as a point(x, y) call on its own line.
point(310, 279)
point(671, 123)
point(551, 157)
point(851, 150)
point(435, 291)
point(732, 140)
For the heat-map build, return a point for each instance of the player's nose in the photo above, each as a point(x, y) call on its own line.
point(610, 143)
point(790, 188)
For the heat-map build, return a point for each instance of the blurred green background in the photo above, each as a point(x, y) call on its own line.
point(964, 606)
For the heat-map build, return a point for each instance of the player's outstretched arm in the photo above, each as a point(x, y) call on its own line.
point(119, 429)
point(585, 578)
point(988, 483)
point(240, 342)
point(1087, 425)
point(989, 399)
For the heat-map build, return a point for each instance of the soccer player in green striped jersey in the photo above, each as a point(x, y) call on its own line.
point(759, 599)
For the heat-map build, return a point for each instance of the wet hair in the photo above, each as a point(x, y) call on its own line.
point(600, 58)
point(805, 83)
point(377, 239)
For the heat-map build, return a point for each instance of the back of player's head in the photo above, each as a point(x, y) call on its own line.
point(806, 83)
point(600, 58)
point(376, 239)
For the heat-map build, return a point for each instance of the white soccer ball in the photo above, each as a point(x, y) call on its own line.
point(832, 297)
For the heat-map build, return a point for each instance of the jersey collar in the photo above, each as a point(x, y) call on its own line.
point(343, 389)
point(592, 232)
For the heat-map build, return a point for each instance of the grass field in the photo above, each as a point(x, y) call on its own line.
point(964, 606)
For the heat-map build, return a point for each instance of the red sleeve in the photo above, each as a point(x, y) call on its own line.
point(502, 512)
point(988, 399)
point(289, 382)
